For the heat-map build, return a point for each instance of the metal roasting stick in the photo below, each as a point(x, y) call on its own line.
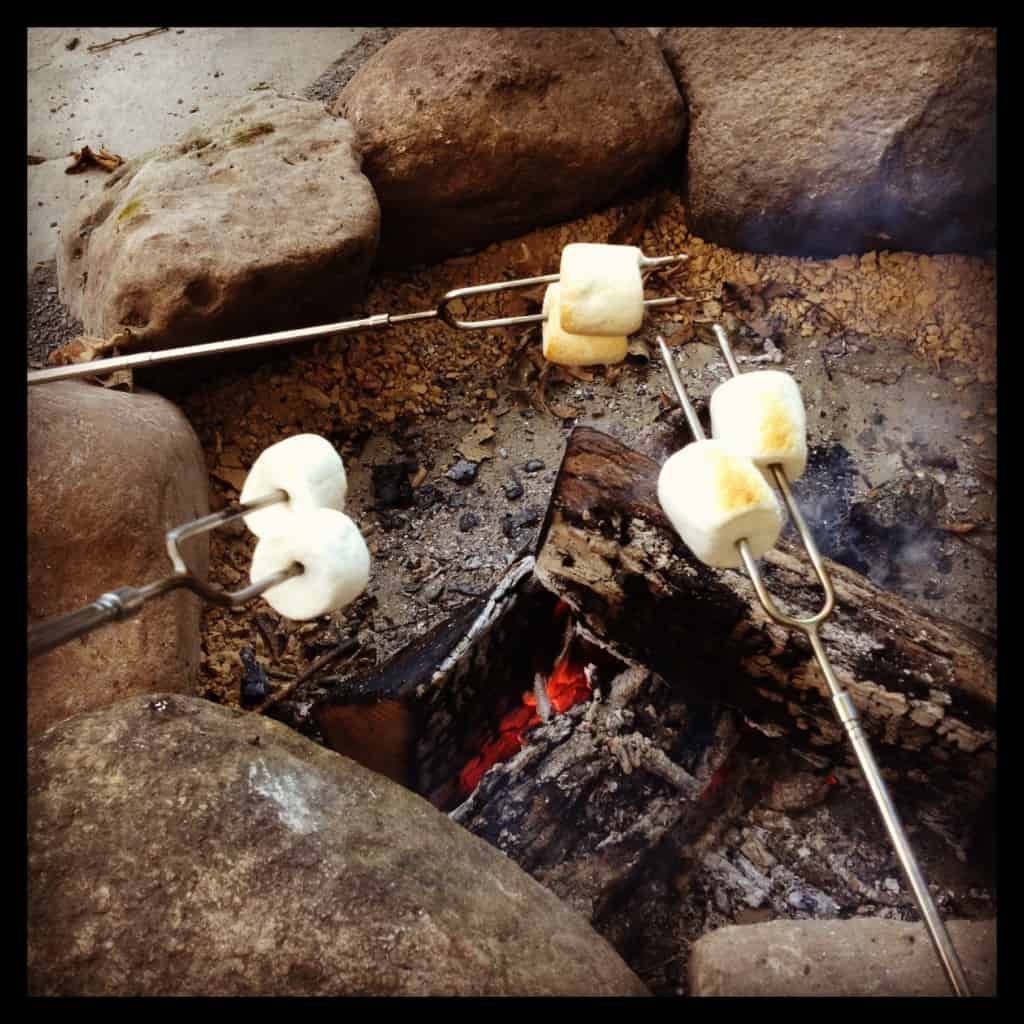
point(845, 709)
point(99, 367)
point(126, 601)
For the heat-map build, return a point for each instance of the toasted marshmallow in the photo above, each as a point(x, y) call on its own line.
point(575, 349)
point(602, 293)
point(761, 415)
point(714, 499)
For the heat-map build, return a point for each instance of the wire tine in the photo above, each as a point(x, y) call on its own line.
point(681, 395)
point(234, 598)
point(207, 523)
point(807, 539)
point(723, 344)
point(648, 262)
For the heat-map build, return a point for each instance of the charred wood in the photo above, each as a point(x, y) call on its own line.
point(925, 687)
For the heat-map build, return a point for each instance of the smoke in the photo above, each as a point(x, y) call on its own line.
point(930, 188)
point(888, 536)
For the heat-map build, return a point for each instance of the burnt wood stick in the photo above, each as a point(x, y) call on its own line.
point(921, 683)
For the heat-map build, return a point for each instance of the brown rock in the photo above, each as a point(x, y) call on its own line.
point(108, 474)
point(180, 848)
point(261, 221)
point(863, 956)
point(823, 141)
point(475, 134)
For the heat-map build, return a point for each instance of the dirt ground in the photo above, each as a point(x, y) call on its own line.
point(888, 400)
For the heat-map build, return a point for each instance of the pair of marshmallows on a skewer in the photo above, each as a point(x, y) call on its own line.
point(597, 302)
point(715, 492)
point(309, 528)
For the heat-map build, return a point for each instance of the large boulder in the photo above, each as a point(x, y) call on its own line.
point(260, 221)
point(864, 956)
point(108, 474)
point(825, 141)
point(470, 135)
point(181, 848)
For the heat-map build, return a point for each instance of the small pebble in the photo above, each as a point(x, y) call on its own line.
point(463, 472)
point(468, 521)
point(432, 592)
point(534, 466)
point(456, 500)
point(513, 489)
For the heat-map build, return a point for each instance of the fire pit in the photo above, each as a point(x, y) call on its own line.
point(622, 722)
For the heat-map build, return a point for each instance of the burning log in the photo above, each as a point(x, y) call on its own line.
point(922, 684)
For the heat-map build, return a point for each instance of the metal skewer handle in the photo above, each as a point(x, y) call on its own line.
point(124, 602)
point(845, 710)
point(100, 367)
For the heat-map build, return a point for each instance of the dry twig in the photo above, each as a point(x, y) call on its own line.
point(345, 647)
point(96, 47)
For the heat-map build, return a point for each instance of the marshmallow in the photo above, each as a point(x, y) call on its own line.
point(334, 558)
point(714, 499)
point(307, 467)
point(575, 349)
point(761, 415)
point(602, 293)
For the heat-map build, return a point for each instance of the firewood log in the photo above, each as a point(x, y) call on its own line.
point(922, 684)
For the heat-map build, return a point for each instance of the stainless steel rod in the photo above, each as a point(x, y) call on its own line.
point(681, 395)
point(846, 712)
point(172, 355)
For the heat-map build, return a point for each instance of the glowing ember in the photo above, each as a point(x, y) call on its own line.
point(567, 686)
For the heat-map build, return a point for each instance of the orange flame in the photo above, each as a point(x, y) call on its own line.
point(566, 686)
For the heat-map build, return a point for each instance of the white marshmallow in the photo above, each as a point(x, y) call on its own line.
point(308, 468)
point(575, 349)
point(334, 557)
point(602, 292)
point(761, 415)
point(714, 498)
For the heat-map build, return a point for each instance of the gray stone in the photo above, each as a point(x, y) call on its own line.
point(257, 222)
point(109, 474)
point(859, 957)
point(180, 848)
point(476, 134)
point(823, 141)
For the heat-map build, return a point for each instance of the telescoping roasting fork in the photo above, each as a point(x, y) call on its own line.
point(843, 704)
point(100, 367)
point(126, 601)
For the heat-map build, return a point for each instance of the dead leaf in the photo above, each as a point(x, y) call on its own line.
point(638, 347)
point(118, 379)
point(84, 349)
point(36, 159)
point(471, 446)
point(232, 457)
point(630, 230)
point(232, 477)
point(580, 373)
point(558, 374)
point(315, 395)
point(564, 412)
point(959, 528)
point(85, 158)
